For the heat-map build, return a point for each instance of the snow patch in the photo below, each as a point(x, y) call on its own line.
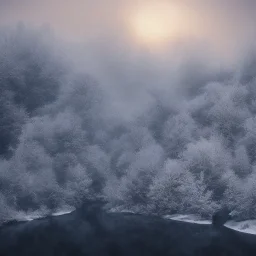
point(63, 211)
point(248, 226)
point(188, 218)
point(25, 216)
point(118, 210)
point(39, 214)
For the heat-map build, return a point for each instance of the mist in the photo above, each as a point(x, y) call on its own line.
point(88, 112)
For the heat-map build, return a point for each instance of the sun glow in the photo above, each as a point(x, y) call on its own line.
point(158, 23)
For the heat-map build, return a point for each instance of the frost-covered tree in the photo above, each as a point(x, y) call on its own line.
point(11, 120)
point(31, 178)
point(175, 190)
point(208, 156)
point(230, 112)
point(123, 149)
point(134, 186)
point(57, 134)
point(203, 202)
point(249, 140)
point(247, 205)
point(234, 195)
point(79, 186)
point(242, 165)
point(171, 189)
point(178, 132)
point(241, 197)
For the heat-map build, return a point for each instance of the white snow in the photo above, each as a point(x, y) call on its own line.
point(188, 218)
point(63, 211)
point(23, 216)
point(114, 210)
point(248, 226)
point(29, 216)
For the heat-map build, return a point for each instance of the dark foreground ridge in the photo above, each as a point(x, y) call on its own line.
point(90, 231)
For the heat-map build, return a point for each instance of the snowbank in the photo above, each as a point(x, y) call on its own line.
point(117, 210)
point(29, 216)
point(63, 211)
point(248, 226)
point(188, 218)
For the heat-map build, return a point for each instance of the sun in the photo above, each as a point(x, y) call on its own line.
point(152, 27)
point(157, 23)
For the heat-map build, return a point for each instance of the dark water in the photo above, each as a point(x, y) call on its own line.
point(90, 231)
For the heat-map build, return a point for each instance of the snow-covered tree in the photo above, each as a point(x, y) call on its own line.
point(242, 166)
point(249, 139)
point(175, 190)
point(234, 195)
point(208, 156)
point(78, 186)
point(178, 132)
point(12, 119)
point(170, 191)
point(203, 202)
point(134, 186)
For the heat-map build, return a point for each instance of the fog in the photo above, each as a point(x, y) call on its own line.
point(105, 46)
point(88, 110)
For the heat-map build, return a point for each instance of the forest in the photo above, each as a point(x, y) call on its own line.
point(59, 145)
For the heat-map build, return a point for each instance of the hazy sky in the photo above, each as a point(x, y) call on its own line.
point(218, 20)
point(133, 45)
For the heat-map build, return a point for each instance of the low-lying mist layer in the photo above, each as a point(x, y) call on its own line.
point(59, 145)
